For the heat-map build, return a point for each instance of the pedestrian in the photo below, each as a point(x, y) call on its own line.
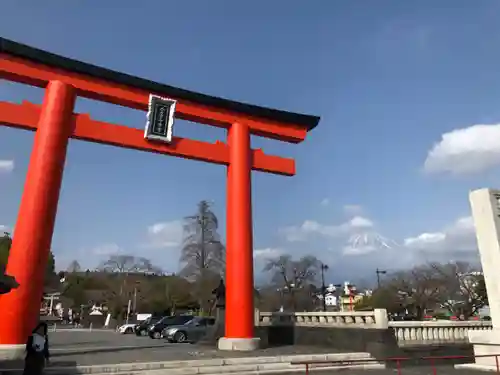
point(76, 320)
point(37, 351)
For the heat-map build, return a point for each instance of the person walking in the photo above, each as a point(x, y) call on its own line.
point(37, 350)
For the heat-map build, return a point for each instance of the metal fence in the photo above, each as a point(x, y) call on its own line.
point(435, 363)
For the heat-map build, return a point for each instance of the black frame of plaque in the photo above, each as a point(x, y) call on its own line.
point(160, 129)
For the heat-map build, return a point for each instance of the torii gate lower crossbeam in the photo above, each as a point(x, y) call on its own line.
point(55, 123)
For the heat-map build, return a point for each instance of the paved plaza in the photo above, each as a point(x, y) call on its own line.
point(82, 348)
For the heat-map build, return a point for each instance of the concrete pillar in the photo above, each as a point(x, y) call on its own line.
point(485, 205)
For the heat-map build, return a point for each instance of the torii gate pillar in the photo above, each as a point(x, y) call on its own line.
point(64, 80)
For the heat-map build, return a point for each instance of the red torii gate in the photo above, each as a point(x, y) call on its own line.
point(55, 123)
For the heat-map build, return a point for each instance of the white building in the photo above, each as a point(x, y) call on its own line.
point(330, 299)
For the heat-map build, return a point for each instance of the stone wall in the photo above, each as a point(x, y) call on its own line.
point(367, 332)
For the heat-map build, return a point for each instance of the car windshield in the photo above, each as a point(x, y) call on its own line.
point(165, 319)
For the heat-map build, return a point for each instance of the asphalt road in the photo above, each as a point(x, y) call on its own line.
point(103, 347)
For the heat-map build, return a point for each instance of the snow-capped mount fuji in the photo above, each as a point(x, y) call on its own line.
point(368, 242)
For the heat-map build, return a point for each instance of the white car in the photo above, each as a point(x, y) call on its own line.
point(126, 328)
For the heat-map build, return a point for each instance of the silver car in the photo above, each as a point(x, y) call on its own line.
point(191, 331)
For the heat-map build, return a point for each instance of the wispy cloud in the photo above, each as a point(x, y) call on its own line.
point(6, 166)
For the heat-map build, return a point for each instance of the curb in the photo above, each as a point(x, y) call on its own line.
point(259, 371)
point(250, 365)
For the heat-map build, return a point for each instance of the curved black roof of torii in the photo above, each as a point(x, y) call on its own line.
point(60, 62)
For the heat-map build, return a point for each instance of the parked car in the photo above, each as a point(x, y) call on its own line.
point(155, 330)
point(126, 328)
point(141, 329)
point(191, 331)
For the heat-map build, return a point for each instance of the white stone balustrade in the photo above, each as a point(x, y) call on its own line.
point(406, 333)
point(358, 319)
point(436, 332)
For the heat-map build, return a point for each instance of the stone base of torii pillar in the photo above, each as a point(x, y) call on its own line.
point(485, 205)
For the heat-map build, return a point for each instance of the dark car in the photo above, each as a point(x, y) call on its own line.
point(155, 330)
point(141, 329)
point(191, 331)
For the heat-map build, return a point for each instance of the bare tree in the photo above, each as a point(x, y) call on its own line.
point(202, 250)
point(293, 273)
point(420, 288)
point(461, 287)
point(74, 266)
point(124, 265)
point(128, 264)
point(293, 276)
point(203, 256)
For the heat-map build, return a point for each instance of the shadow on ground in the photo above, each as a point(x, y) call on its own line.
point(101, 350)
point(15, 367)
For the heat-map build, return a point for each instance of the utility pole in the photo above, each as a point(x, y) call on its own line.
point(135, 301)
point(128, 311)
point(324, 267)
point(379, 272)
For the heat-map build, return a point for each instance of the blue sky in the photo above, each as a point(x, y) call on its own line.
point(384, 178)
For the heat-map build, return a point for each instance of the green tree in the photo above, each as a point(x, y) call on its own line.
point(75, 289)
point(5, 244)
point(168, 293)
point(50, 274)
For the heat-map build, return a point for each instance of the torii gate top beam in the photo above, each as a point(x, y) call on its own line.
point(36, 67)
point(24, 64)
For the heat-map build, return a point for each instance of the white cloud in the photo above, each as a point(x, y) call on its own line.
point(106, 249)
point(4, 228)
point(353, 209)
point(360, 222)
point(459, 237)
point(6, 166)
point(361, 250)
point(467, 150)
point(165, 234)
point(325, 202)
point(268, 252)
point(311, 227)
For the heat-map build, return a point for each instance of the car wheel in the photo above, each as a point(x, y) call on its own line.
point(143, 332)
point(180, 337)
point(157, 335)
point(128, 330)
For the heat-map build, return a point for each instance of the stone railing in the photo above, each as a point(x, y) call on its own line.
point(436, 332)
point(356, 319)
point(406, 333)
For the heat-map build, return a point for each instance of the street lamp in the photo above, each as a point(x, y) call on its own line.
point(379, 272)
point(324, 267)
